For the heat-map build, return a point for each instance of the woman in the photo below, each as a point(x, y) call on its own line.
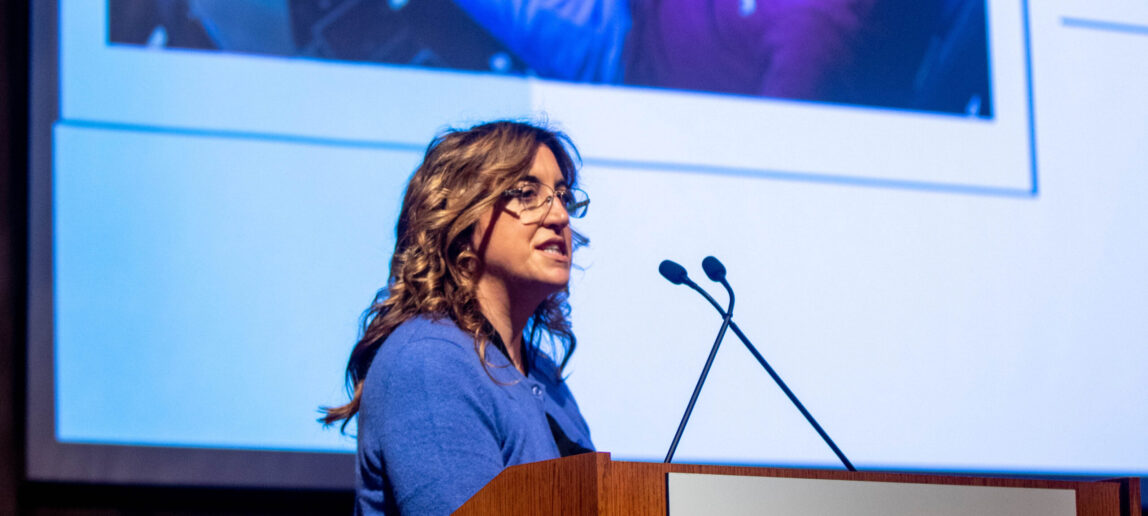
point(450, 384)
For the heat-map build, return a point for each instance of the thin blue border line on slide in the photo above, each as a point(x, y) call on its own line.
point(617, 163)
point(815, 177)
point(240, 135)
point(1105, 26)
point(1031, 104)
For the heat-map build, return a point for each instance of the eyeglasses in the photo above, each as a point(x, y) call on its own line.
point(529, 198)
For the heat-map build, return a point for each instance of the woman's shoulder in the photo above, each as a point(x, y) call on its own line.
point(419, 357)
point(421, 328)
point(432, 349)
point(424, 339)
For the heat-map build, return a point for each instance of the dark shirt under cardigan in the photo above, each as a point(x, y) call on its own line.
point(434, 427)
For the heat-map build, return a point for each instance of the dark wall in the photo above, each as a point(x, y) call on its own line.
point(13, 158)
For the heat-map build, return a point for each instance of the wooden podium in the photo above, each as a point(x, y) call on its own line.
point(592, 483)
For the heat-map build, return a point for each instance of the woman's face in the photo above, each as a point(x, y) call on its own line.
point(527, 253)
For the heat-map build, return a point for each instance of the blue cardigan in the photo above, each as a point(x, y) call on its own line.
point(434, 428)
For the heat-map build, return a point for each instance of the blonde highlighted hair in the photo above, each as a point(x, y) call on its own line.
point(433, 269)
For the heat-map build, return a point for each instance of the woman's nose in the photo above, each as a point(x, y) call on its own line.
point(556, 214)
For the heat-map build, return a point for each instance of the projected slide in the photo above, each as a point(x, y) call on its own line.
point(889, 80)
point(932, 213)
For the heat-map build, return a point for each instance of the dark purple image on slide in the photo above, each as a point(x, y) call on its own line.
point(919, 55)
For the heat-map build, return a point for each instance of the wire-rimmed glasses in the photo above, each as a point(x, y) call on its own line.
point(532, 200)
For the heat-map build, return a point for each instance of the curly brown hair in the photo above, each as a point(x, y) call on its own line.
point(463, 173)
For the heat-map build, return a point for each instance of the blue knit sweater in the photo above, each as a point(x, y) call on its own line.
point(434, 428)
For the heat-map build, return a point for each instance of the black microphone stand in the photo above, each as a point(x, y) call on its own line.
point(727, 320)
point(773, 374)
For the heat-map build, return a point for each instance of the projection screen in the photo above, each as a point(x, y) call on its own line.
point(931, 212)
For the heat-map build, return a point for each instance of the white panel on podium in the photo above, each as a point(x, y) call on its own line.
point(734, 495)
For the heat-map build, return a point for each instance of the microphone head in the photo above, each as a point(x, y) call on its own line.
point(714, 269)
point(673, 272)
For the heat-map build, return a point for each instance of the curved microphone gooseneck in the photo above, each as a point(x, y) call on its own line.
point(716, 272)
point(677, 275)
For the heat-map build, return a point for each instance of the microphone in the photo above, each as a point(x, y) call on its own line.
point(673, 272)
point(677, 275)
point(716, 271)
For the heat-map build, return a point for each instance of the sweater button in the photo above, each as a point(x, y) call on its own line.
point(536, 390)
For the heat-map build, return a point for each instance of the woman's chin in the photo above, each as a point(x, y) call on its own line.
point(554, 281)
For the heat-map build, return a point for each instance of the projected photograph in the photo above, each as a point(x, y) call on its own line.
point(928, 56)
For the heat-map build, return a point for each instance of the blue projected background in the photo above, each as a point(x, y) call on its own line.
point(946, 263)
